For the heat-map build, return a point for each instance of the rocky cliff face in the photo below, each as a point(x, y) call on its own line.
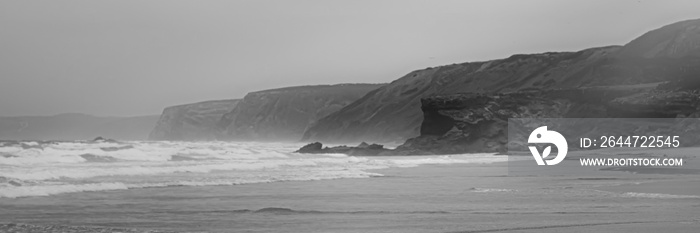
point(392, 112)
point(284, 114)
point(464, 123)
point(461, 123)
point(196, 121)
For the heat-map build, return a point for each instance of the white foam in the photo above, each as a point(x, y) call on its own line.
point(63, 168)
point(27, 191)
point(81, 172)
point(413, 161)
point(658, 195)
point(490, 190)
point(70, 152)
point(10, 149)
point(31, 143)
point(52, 189)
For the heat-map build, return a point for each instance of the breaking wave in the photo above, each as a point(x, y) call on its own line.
point(49, 168)
point(659, 195)
point(490, 190)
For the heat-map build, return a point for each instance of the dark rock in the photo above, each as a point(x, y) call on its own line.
point(363, 145)
point(657, 104)
point(368, 150)
point(311, 148)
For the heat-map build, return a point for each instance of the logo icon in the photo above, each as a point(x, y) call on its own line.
point(542, 135)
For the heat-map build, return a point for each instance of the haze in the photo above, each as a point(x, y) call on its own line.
point(126, 58)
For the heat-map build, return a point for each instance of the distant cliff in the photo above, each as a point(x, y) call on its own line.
point(665, 57)
point(75, 126)
point(285, 113)
point(197, 121)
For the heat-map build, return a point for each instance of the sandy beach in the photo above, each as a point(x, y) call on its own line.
point(428, 198)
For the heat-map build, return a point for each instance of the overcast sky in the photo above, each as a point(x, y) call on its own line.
point(125, 58)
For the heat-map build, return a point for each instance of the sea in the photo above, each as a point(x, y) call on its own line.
point(164, 186)
point(32, 168)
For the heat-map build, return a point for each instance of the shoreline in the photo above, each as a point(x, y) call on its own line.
point(441, 194)
point(22, 227)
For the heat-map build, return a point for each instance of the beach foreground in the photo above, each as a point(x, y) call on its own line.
point(428, 198)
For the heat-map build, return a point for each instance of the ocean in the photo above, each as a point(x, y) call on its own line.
point(49, 168)
point(265, 187)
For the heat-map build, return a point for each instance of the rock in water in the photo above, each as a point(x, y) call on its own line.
point(311, 148)
point(369, 150)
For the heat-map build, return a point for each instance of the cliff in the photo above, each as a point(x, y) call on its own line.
point(393, 112)
point(678, 40)
point(465, 123)
point(284, 114)
point(197, 121)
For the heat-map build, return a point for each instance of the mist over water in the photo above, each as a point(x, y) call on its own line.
point(32, 168)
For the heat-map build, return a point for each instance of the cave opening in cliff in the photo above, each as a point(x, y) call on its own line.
point(435, 124)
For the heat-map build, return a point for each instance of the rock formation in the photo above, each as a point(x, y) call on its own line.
point(478, 122)
point(666, 58)
point(465, 123)
point(284, 114)
point(361, 150)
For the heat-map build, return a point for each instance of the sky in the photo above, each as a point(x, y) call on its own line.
point(129, 58)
